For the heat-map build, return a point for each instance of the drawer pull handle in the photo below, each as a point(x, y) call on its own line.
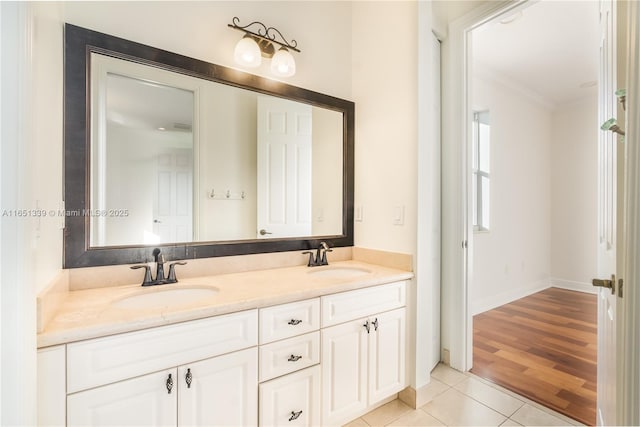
point(188, 378)
point(169, 384)
point(367, 326)
point(294, 322)
point(295, 415)
point(375, 324)
point(293, 358)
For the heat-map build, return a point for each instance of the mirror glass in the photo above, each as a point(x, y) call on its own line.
point(201, 160)
point(176, 158)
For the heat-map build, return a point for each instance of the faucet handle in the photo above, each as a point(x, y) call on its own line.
point(311, 262)
point(147, 273)
point(324, 257)
point(172, 271)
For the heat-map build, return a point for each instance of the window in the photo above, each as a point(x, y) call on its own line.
point(481, 179)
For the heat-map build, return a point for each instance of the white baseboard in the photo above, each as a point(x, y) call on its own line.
point(493, 301)
point(573, 286)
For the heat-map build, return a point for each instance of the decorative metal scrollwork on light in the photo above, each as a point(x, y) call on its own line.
point(258, 42)
point(265, 33)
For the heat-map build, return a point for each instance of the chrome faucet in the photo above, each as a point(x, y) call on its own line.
point(321, 255)
point(160, 278)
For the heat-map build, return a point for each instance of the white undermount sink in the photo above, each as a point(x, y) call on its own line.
point(338, 272)
point(157, 298)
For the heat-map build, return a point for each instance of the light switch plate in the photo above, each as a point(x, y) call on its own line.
point(398, 215)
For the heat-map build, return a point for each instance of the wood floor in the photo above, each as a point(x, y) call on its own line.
point(542, 347)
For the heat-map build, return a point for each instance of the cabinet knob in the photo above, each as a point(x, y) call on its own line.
point(293, 358)
point(169, 384)
point(375, 324)
point(188, 378)
point(295, 415)
point(294, 322)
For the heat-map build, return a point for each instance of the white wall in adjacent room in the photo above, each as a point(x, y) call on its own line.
point(512, 259)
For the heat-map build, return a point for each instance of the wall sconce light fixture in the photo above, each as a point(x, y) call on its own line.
point(259, 42)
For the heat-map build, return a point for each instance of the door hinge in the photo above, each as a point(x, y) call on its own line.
point(604, 283)
point(465, 244)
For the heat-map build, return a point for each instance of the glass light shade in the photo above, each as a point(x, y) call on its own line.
point(247, 52)
point(283, 64)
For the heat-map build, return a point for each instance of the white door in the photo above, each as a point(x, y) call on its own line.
point(608, 221)
point(291, 400)
point(222, 391)
point(173, 196)
point(144, 401)
point(344, 372)
point(284, 168)
point(387, 355)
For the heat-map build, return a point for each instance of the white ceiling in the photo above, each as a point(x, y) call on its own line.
point(136, 103)
point(550, 50)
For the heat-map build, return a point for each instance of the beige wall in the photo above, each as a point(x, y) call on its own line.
point(385, 91)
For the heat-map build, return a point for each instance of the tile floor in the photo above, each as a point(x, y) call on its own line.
point(457, 399)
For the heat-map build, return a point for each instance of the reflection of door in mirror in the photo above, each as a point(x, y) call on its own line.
point(142, 156)
point(284, 168)
point(172, 205)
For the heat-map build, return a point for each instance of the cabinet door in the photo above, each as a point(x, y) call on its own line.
point(291, 400)
point(141, 401)
point(222, 392)
point(52, 393)
point(344, 371)
point(387, 353)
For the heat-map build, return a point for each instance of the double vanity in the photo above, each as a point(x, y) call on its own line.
point(282, 346)
point(272, 342)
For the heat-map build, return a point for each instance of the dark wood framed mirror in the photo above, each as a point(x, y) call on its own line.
point(104, 224)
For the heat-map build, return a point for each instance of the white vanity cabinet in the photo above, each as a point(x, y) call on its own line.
point(363, 358)
point(321, 361)
point(289, 392)
point(201, 372)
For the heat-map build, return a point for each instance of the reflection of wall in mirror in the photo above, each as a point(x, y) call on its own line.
point(327, 173)
point(227, 163)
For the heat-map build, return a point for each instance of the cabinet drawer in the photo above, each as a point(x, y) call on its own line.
point(346, 306)
point(105, 360)
point(292, 400)
point(290, 355)
point(288, 320)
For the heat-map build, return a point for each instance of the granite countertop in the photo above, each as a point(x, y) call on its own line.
point(91, 313)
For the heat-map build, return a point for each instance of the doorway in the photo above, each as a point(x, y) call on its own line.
point(457, 239)
point(533, 94)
